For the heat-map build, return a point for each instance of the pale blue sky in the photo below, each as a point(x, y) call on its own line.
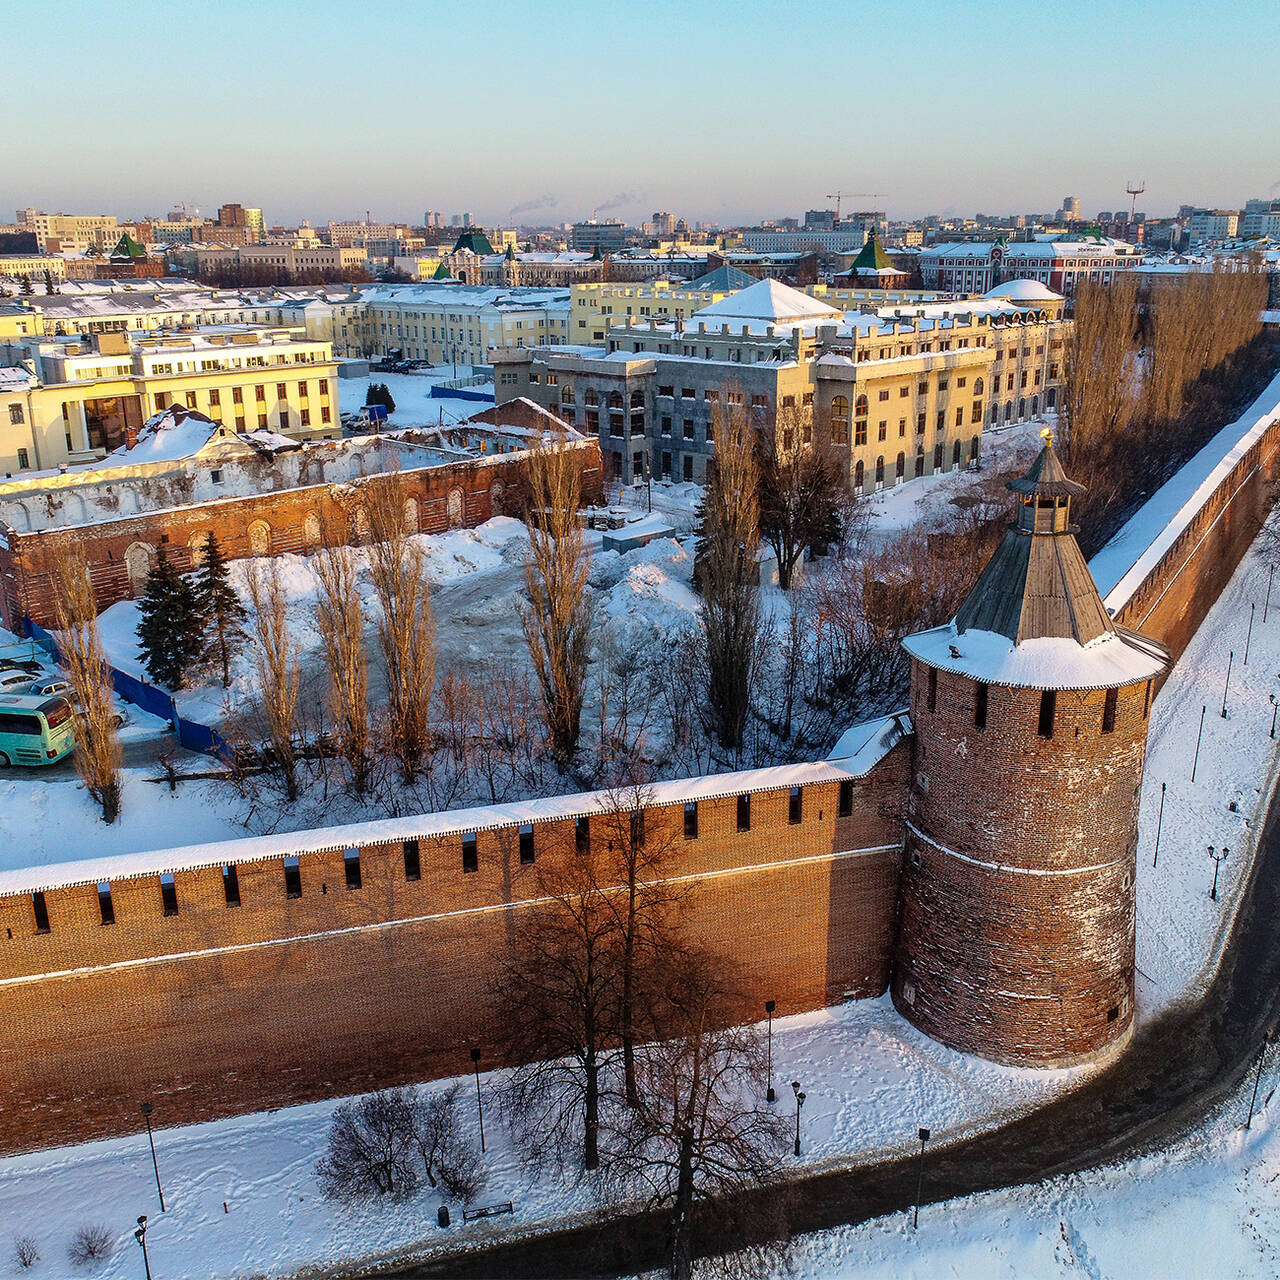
point(729, 111)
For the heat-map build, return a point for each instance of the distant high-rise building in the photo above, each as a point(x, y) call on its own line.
point(433, 218)
point(1071, 208)
point(819, 219)
point(664, 224)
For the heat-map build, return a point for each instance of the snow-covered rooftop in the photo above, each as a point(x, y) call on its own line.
point(768, 301)
point(1024, 291)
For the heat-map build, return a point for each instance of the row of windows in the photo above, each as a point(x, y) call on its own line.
point(1048, 706)
point(468, 848)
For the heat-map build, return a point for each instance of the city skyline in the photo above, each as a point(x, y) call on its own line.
point(681, 113)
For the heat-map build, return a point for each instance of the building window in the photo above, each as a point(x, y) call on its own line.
point(1109, 711)
point(351, 866)
point(582, 834)
point(526, 843)
point(15, 415)
point(691, 820)
point(215, 398)
point(24, 460)
point(933, 689)
point(105, 910)
point(980, 707)
point(230, 885)
point(40, 910)
point(169, 894)
point(795, 805)
point(412, 861)
point(637, 829)
point(744, 812)
point(292, 877)
point(844, 807)
point(470, 858)
point(1048, 708)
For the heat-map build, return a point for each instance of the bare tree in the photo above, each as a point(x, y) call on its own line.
point(804, 491)
point(639, 841)
point(340, 621)
point(560, 611)
point(276, 670)
point(700, 1136)
point(560, 995)
point(371, 1149)
point(406, 627)
point(25, 1252)
point(448, 1158)
point(98, 754)
point(728, 575)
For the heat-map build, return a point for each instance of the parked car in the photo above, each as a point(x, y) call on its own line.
point(31, 666)
point(56, 686)
point(14, 678)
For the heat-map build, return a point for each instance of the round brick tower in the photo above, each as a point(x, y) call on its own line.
point(1016, 912)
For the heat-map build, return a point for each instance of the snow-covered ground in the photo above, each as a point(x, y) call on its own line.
point(870, 1079)
point(1208, 1207)
point(415, 406)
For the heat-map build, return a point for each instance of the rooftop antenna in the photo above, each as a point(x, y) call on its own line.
point(1135, 189)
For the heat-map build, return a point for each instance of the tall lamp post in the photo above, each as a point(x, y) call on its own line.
point(146, 1108)
point(795, 1088)
point(770, 1095)
point(140, 1235)
point(1275, 706)
point(915, 1220)
point(475, 1062)
point(1257, 1080)
point(1219, 856)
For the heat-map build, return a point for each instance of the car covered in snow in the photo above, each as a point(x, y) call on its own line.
point(57, 686)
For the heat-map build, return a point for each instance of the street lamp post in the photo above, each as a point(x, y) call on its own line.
point(770, 1095)
point(1159, 826)
point(1275, 706)
point(140, 1235)
point(146, 1108)
point(795, 1088)
point(475, 1062)
point(915, 1218)
point(1257, 1080)
point(1219, 856)
point(1226, 684)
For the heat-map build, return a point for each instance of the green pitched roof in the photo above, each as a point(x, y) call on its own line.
point(474, 240)
point(441, 273)
point(872, 256)
point(128, 247)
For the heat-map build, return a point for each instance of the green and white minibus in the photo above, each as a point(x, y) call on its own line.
point(35, 730)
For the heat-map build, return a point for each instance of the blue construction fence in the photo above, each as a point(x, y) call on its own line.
point(461, 393)
point(151, 698)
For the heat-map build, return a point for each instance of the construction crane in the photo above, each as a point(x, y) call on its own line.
point(1134, 190)
point(837, 196)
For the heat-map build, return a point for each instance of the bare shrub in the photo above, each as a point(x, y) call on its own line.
point(98, 754)
point(372, 1149)
point(448, 1157)
point(25, 1253)
point(91, 1244)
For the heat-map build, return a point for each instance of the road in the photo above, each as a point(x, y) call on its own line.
point(1173, 1071)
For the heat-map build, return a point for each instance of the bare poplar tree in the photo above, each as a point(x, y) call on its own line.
point(1101, 382)
point(276, 670)
point(98, 753)
point(406, 627)
point(728, 574)
point(340, 621)
point(560, 611)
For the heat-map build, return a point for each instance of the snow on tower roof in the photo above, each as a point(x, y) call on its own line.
point(768, 301)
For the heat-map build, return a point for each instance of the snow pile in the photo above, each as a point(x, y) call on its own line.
point(177, 432)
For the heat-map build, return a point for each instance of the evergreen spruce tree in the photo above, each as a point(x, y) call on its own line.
point(48, 282)
point(170, 630)
point(379, 393)
point(220, 608)
point(25, 288)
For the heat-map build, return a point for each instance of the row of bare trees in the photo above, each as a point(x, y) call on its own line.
point(1149, 371)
